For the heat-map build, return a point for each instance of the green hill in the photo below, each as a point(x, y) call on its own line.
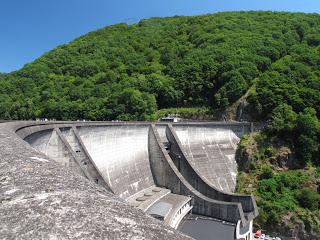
point(203, 65)
point(127, 72)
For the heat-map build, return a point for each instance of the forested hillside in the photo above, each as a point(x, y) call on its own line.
point(129, 72)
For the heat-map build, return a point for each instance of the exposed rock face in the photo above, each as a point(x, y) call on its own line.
point(243, 159)
point(281, 158)
point(245, 155)
point(284, 158)
point(297, 232)
point(39, 199)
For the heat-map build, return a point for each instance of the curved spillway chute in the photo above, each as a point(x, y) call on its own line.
point(195, 178)
point(119, 155)
point(161, 163)
point(41, 198)
point(211, 151)
point(114, 154)
point(48, 139)
point(120, 152)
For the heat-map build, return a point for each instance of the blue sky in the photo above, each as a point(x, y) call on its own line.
point(31, 27)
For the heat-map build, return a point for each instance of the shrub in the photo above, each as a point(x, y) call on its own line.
point(266, 173)
point(308, 198)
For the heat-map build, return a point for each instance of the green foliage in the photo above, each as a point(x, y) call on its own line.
point(308, 198)
point(285, 197)
point(280, 193)
point(203, 61)
point(301, 130)
point(266, 173)
point(283, 120)
point(313, 39)
point(136, 105)
point(308, 131)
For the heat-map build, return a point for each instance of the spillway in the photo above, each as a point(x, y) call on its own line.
point(165, 170)
point(211, 150)
point(121, 155)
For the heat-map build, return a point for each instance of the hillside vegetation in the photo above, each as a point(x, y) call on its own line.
point(127, 72)
point(198, 66)
point(287, 194)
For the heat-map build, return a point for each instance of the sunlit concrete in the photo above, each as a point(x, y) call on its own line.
point(211, 150)
point(147, 165)
point(121, 155)
point(42, 198)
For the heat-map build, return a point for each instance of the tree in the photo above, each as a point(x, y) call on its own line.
point(313, 39)
point(283, 121)
point(308, 127)
point(137, 105)
point(308, 198)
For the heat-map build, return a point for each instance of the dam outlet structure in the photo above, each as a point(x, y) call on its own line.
point(161, 170)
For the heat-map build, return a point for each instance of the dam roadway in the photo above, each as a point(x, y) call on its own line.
point(165, 170)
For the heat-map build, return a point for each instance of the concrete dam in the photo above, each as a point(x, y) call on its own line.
point(160, 172)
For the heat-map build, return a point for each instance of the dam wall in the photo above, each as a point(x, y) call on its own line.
point(211, 151)
point(49, 140)
point(43, 199)
point(131, 160)
point(199, 182)
point(173, 179)
point(120, 152)
point(119, 155)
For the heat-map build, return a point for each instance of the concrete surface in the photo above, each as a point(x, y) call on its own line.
point(128, 160)
point(121, 155)
point(211, 151)
point(40, 199)
point(174, 172)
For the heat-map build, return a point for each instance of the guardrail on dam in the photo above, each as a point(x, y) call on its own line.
point(162, 169)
